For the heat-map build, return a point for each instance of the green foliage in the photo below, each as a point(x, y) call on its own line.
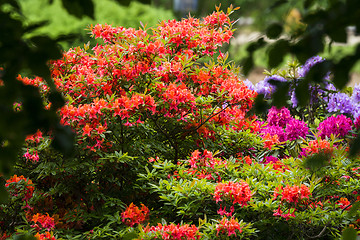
point(61, 22)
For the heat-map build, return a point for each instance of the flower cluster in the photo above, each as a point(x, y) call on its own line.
point(339, 126)
point(228, 226)
point(135, 215)
point(175, 232)
point(44, 236)
point(279, 117)
point(296, 129)
point(236, 192)
point(294, 194)
point(198, 160)
point(317, 146)
point(43, 221)
point(283, 125)
point(20, 186)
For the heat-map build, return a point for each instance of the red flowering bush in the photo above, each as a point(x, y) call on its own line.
point(161, 118)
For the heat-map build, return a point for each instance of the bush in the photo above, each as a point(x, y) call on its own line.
point(167, 147)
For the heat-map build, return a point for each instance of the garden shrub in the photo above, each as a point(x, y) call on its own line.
point(167, 147)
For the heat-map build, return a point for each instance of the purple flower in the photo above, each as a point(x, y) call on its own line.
point(278, 117)
point(303, 70)
point(339, 102)
point(356, 93)
point(339, 126)
point(249, 84)
point(264, 87)
point(296, 129)
point(274, 130)
point(293, 99)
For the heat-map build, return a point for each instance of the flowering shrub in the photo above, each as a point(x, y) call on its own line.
point(162, 121)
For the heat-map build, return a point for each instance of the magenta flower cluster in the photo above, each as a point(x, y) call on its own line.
point(281, 123)
point(296, 129)
point(339, 126)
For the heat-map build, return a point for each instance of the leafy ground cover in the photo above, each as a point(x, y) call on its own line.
point(168, 147)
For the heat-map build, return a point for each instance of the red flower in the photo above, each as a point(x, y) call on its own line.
point(344, 203)
point(228, 226)
point(44, 220)
point(45, 236)
point(175, 232)
point(238, 192)
point(133, 215)
point(292, 194)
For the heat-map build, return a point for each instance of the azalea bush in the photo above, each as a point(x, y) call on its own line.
point(167, 146)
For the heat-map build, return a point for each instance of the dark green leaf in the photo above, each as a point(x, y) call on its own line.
point(355, 146)
point(35, 26)
point(274, 30)
point(144, 1)
point(63, 140)
point(341, 71)
point(280, 96)
point(4, 196)
point(319, 71)
point(79, 8)
point(310, 45)
point(247, 65)
point(317, 161)
point(302, 93)
point(354, 209)
point(14, 4)
point(338, 34)
point(57, 100)
point(260, 105)
point(278, 3)
point(308, 3)
point(26, 236)
point(256, 45)
point(124, 2)
point(277, 51)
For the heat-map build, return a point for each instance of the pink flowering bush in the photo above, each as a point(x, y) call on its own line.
point(167, 147)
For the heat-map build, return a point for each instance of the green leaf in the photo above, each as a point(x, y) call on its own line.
point(317, 161)
point(277, 51)
point(4, 196)
point(129, 236)
point(302, 93)
point(64, 140)
point(338, 34)
point(26, 236)
point(247, 65)
point(354, 209)
point(308, 3)
point(319, 71)
point(79, 8)
point(260, 105)
point(341, 71)
point(355, 146)
point(349, 234)
point(57, 100)
point(274, 30)
point(280, 96)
